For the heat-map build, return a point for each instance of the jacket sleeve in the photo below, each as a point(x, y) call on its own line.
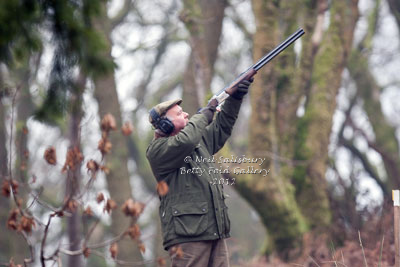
point(221, 128)
point(168, 154)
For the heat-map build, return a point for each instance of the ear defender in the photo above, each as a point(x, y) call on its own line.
point(164, 124)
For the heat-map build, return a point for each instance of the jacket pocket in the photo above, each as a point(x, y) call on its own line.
point(190, 219)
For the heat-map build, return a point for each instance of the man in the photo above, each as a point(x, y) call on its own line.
point(193, 212)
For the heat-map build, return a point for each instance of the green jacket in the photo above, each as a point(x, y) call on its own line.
point(194, 208)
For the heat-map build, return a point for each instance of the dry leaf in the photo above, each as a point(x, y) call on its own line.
point(88, 211)
point(132, 208)
point(72, 205)
point(86, 252)
point(104, 146)
point(92, 167)
point(179, 252)
point(26, 224)
point(105, 169)
point(99, 198)
point(74, 158)
point(161, 262)
point(50, 156)
point(5, 188)
point(162, 188)
point(134, 231)
point(127, 128)
point(108, 123)
point(110, 205)
point(114, 250)
point(12, 222)
point(142, 248)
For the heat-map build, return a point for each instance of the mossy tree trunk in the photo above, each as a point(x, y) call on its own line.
point(203, 19)
point(292, 199)
point(314, 127)
point(272, 196)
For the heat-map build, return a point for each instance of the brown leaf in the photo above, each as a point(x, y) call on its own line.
point(50, 156)
point(179, 252)
point(25, 130)
point(5, 188)
point(86, 252)
point(134, 231)
point(99, 198)
point(12, 222)
point(132, 208)
point(110, 205)
point(127, 128)
point(104, 146)
point(92, 167)
point(162, 188)
point(26, 224)
point(88, 211)
point(161, 262)
point(73, 159)
point(105, 169)
point(114, 250)
point(72, 205)
point(19, 202)
point(142, 248)
point(108, 123)
point(14, 186)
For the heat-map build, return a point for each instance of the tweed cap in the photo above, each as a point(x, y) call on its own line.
point(163, 107)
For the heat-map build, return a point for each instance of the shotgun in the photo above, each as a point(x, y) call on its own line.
point(250, 72)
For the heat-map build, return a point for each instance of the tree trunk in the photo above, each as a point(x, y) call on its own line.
point(203, 19)
point(74, 223)
point(5, 248)
point(314, 127)
point(118, 179)
point(272, 196)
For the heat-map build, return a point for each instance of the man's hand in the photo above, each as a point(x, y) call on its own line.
point(242, 90)
point(209, 110)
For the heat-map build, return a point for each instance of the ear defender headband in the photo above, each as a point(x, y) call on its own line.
point(164, 124)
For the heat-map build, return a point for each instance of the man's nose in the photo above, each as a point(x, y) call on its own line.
point(186, 114)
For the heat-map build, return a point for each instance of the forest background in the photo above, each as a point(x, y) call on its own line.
point(77, 79)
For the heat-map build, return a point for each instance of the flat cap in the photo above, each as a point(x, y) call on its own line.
point(163, 107)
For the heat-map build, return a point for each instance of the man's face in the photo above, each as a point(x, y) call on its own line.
point(178, 117)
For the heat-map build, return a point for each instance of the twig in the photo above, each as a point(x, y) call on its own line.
point(46, 230)
point(31, 250)
point(341, 252)
point(380, 256)
point(365, 260)
point(314, 261)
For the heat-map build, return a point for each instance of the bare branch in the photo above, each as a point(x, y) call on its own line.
point(122, 14)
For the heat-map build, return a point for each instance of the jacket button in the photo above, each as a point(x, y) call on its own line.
point(215, 233)
point(175, 211)
point(204, 209)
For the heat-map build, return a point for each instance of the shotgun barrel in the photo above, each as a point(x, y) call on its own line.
point(250, 72)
